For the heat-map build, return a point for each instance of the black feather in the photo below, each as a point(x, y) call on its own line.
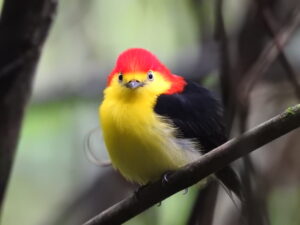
point(197, 114)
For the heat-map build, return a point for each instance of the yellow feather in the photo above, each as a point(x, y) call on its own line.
point(141, 144)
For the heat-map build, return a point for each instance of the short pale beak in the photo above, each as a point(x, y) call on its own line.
point(133, 84)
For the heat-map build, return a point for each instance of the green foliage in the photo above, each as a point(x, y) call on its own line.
point(284, 206)
point(50, 164)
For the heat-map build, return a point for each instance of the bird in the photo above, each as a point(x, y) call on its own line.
point(154, 121)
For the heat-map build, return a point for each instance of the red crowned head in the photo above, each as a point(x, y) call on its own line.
point(138, 60)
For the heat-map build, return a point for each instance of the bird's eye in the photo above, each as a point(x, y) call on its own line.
point(150, 75)
point(120, 77)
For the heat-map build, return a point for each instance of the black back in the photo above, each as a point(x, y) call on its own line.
point(196, 113)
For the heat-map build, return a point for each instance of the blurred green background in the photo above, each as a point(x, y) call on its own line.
point(51, 166)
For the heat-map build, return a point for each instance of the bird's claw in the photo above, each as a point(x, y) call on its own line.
point(185, 191)
point(138, 190)
point(165, 179)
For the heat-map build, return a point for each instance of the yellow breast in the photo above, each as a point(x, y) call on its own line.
point(141, 144)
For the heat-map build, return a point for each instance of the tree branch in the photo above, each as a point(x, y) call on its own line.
point(206, 165)
point(24, 26)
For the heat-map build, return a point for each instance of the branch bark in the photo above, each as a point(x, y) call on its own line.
point(24, 26)
point(206, 165)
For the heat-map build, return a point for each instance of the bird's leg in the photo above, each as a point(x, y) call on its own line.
point(139, 189)
point(165, 181)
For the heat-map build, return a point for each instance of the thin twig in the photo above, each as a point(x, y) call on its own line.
point(268, 55)
point(204, 206)
point(202, 211)
point(269, 21)
point(226, 81)
point(206, 165)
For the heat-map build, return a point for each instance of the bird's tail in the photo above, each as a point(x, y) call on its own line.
point(250, 209)
point(231, 180)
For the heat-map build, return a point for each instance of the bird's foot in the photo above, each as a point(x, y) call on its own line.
point(138, 190)
point(185, 191)
point(165, 179)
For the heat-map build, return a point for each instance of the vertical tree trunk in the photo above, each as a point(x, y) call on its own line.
point(24, 26)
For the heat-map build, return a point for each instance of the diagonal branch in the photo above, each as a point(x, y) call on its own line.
point(206, 165)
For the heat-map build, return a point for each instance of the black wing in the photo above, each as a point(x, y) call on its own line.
point(196, 113)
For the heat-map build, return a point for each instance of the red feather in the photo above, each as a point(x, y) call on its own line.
point(140, 60)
